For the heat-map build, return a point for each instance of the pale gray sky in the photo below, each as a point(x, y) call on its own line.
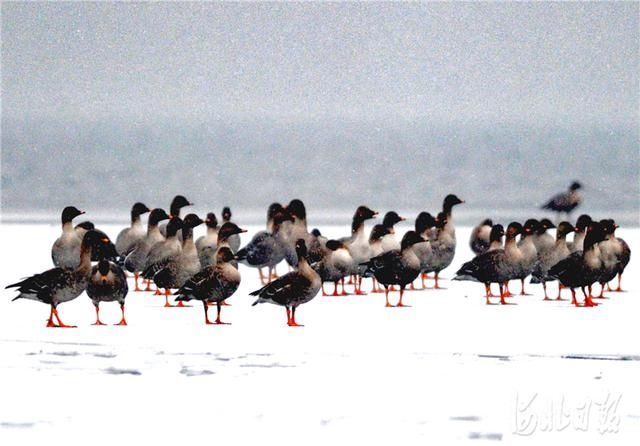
point(558, 62)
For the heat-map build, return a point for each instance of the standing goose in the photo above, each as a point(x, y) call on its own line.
point(479, 239)
point(542, 240)
point(107, 284)
point(581, 269)
point(609, 250)
point(548, 258)
point(444, 246)
point(208, 243)
point(496, 266)
point(389, 241)
point(424, 251)
point(66, 249)
point(175, 210)
point(529, 252)
point(624, 255)
point(228, 230)
point(213, 284)
point(266, 249)
point(295, 230)
point(292, 289)
point(581, 230)
point(234, 240)
point(62, 284)
point(128, 237)
point(317, 246)
point(375, 250)
point(565, 202)
point(271, 212)
point(335, 266)
point(358, 243)
point(397, 267)
point(137, 258)
point(176, 269)
point(161, 252)
point(107, 252)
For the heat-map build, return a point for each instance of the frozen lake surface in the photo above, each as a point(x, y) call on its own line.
point(449, 368)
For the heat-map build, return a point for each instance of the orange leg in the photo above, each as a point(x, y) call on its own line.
point(619, 289)
point(148, 288)
point(206, 313)
point(588, 302)
point(50, 322)
point(136, 276)
point(560, 292)
point(335, 288)
point(218, 321)
point(400, 304)
point(437, 285)
point(292, 321)
point(544, 287)
point(123, 321)
point(522, 292)
point(487, 290)
point(98, 322)
point(386, 296)
point(502, 293)
point(60, 323)
point(167, 293)
point(574, 301)
point(344, 293)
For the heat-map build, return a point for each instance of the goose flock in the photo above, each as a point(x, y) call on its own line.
point(207, 269)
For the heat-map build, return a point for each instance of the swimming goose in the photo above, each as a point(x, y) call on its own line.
point(496, 266)
point(582, 268)
point(423, 225)
point(566, 201)
point(234, 240)
point(397, 267)
point(208, 243)
point(213, 284)
point(266, 249)
point(128, 237)
point(581, 230)
point(61, 284)
point(292, 289)
point(107, 284)
point(335, 266)
point(549, 258)
point(479, 239)
point(65, 250)
point(137, 258)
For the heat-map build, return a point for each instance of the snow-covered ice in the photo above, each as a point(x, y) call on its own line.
point(450, 368)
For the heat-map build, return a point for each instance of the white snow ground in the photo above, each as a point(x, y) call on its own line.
point(449, 369)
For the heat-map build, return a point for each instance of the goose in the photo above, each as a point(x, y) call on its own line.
point(479, 239)
point(107, 284)
point(136, 259)
point(234, 240)
point(213, 284)
point(66, 249)
point(548, 258)
point(495, 266)
point(582, 268)
point(565, 202)
point(62, 284)
point(128, 237)
point(397, 267)
point(294, 288)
